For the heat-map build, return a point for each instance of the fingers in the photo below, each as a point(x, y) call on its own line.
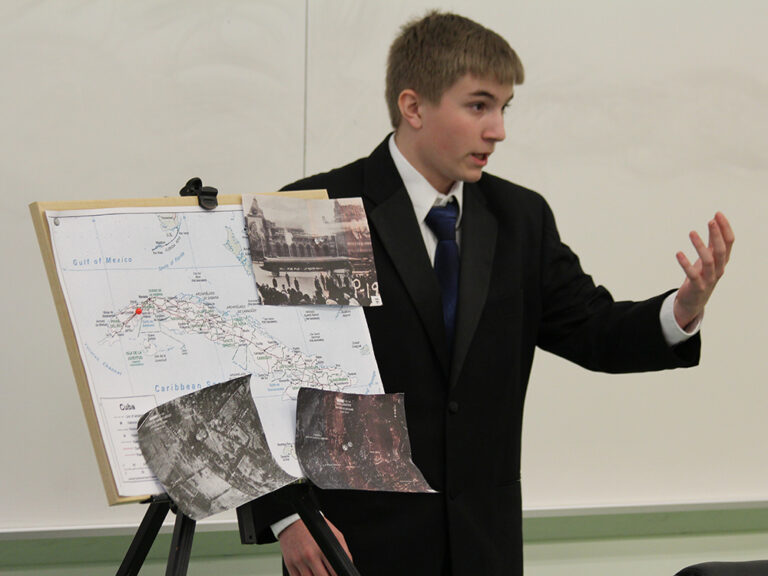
point(717, 248)
point(310, 566)
point(706, 263)
point(340, 538)
point(301, 554)
point(727, 233)
point(702, 276)
point(714, 256)
point(688, 268)
point(721, 238)
point(328, 567)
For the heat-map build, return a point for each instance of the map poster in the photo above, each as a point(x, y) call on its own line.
point(311, 251)
point(356, 442)
point(162, 302)
point(209, 451)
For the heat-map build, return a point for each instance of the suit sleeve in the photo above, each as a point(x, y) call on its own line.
point(582, 323)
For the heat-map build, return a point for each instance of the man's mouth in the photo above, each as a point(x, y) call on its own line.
point(481, 159)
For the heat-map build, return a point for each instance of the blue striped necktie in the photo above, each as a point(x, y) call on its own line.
point(442, 221)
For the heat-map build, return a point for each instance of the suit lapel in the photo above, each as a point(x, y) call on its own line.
point(478, 240)
point(392, 217)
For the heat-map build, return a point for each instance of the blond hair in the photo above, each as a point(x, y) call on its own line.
point(431, 53)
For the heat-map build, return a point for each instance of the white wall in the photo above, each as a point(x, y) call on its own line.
point(637, 121)
point(119, 100)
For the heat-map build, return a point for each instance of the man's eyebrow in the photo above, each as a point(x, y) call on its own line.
point(489, 95)
point(483, 94)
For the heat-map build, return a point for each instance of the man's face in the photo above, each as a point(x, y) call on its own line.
point(459, 133)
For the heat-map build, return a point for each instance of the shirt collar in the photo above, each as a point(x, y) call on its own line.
point(423, 195)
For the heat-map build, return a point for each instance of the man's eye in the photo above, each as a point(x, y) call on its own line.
point(478, 106)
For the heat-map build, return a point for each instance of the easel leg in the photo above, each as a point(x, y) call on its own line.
point(145, 536)
point(181, 545)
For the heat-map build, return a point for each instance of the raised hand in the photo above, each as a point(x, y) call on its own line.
point(702, 276)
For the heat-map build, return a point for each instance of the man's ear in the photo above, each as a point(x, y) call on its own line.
point(409, 103)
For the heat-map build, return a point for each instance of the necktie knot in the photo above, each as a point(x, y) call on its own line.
point(442, 221)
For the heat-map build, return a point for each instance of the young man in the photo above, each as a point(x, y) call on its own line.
point(460, 344)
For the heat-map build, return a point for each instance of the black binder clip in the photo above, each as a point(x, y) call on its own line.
point(206, 195)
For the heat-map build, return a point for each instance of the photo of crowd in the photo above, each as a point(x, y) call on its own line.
point(332, 288)
point(311, 252)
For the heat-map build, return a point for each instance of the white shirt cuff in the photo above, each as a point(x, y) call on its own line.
point(281, 525)
point(673, 333)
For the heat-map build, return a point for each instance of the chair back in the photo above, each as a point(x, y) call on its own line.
point(753, 568)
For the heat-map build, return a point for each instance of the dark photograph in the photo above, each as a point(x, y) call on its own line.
point(356, 442)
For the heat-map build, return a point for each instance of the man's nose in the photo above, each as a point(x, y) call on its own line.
point(495, 130)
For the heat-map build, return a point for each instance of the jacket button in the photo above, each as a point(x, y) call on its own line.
point(453, 407)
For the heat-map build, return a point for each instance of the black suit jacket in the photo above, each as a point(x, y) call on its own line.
point(520, 287)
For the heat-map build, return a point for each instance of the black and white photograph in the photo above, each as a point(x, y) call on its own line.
point(311, 252)
point(209, 451)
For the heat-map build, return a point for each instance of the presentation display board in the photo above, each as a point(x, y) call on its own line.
point(156, 298)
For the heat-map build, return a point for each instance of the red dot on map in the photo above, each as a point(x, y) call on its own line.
point(138, 310)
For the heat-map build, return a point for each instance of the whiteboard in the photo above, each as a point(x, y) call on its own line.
point(637, 121)
point(108, 100)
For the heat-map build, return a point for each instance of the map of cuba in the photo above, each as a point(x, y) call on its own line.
point(158, 326)
point(163, 302)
